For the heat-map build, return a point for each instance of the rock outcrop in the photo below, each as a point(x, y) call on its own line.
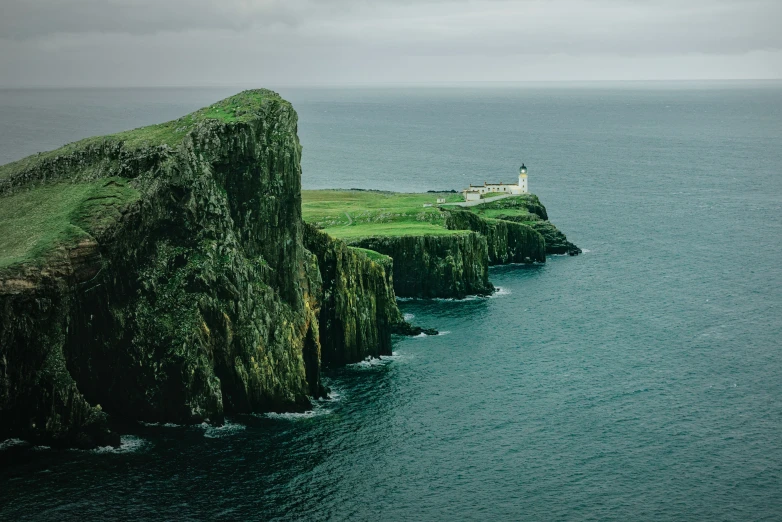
point(556, 242)
point(453, 265)
point(358, 305)
point(507, 242)
point(184, 292)
point(529, 211)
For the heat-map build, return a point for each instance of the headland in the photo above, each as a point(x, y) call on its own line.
point(177, 273)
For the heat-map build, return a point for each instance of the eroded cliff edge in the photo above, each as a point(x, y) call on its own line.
point(162, 275)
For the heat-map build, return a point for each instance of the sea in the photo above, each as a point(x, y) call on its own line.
point(641, 380)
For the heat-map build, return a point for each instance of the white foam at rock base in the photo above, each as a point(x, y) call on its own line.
point(218, 432)
point(127, 444)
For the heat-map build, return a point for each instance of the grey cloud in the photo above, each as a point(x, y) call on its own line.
point(550, 26)
point(35, 18)
point(374, 40)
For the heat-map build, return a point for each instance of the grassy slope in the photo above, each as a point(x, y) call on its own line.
point(371, 254)
point(35, 220)
point(352, 213)
point(499, 213)
point(32, 222)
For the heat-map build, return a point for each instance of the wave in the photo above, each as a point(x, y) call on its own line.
point(408, 317)
point(447, 299)
point(371, 362)
point(12, 443)
point(127, 444)
point(218, 432)
point(292, 416)
point(335, 395)
point(161, 424)
point(501, 292)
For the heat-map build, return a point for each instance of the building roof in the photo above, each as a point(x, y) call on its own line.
point(500, 184)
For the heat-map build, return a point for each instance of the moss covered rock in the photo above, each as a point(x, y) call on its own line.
point(506, 242)
point(454, 265)
point(358, 306)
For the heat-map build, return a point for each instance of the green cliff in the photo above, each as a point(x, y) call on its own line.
point(439, 249)
point(358, 305)
point(507, 242)
point(529, 211)
point(454, 265)
point(161, 275)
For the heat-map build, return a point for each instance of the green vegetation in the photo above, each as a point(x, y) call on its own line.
point(350, 214)
point(371, 254)
point(524, 208)
point(241, 107)
point(34, 221)
point(518, 215)
point(388, 229)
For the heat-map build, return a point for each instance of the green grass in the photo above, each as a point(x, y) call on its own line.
point(241, 107)
point(499, 213)
point(33, 222)
point(388, 229)
point(371, 254)
point(350, 214)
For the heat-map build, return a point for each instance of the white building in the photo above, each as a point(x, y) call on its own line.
point(475, 192)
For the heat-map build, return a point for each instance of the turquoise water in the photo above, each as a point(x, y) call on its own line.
point(641, 380)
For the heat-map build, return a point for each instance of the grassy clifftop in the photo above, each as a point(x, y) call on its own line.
point(438, 250)
point(351, 214)
point(348, 214)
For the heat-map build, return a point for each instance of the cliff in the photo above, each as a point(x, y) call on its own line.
point(526, 210)
point(453, 265)
point(507, 242)
point(437, 248)
point(161, 275)
point(358, 305)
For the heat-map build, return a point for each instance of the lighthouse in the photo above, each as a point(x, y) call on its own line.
point(523, 179)
point(477, 192)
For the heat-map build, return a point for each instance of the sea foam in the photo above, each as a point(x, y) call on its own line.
point(219, 432)
point(127, 444)
point(11, 443)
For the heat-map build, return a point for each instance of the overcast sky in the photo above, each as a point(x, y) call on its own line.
point(314, 42)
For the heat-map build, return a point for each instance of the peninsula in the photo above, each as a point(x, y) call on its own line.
point(177, 273)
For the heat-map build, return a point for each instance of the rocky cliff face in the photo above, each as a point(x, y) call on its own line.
point(187, 293)
point(506, 242)
point(454, 265)
point(529, 211)
point(358, 305)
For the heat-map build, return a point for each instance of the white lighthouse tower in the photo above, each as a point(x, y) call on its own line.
point(523, 179)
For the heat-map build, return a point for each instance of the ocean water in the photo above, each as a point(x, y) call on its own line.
point(639, 381)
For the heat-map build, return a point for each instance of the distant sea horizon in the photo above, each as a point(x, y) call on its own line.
point(384, 85)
